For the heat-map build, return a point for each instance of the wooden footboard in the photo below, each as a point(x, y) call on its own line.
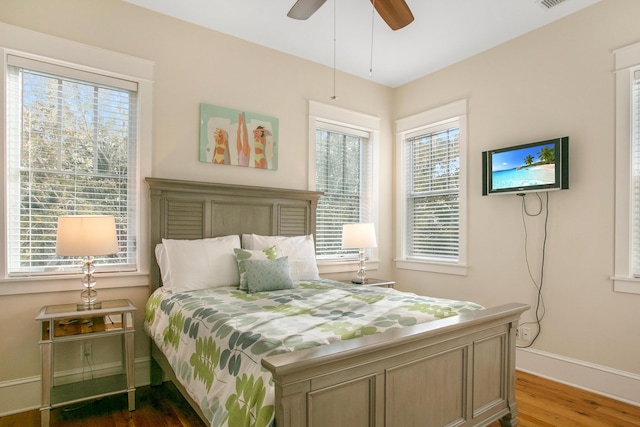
point(458, 371)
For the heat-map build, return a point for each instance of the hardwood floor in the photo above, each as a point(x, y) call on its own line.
point(155, 407)
point(542, 403)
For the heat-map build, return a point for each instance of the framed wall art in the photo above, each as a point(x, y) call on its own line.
point(239, 138)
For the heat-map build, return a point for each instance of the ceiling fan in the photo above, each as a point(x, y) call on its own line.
point(395, 13)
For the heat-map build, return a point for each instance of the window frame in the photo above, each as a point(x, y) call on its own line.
point(324, 113)
point(408, 126)
point(627, 61)
point(42, 47)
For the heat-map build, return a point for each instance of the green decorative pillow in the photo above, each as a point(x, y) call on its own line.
point(244, 254)
point(268, 275)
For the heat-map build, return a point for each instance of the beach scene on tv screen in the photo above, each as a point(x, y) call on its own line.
point(524, 167)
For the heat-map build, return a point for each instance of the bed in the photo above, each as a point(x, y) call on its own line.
point(456, 370)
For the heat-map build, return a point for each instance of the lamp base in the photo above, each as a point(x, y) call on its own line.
point(81, 306)
point(361, 274)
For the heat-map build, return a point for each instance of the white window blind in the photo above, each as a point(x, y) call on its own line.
point(433, 193)
point(71, 145)
point(635, 175)
point(343, 173)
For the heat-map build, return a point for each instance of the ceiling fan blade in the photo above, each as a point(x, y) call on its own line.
point(395, 13)
point(303, 9)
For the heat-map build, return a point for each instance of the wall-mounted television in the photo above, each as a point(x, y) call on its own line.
point(537, 166)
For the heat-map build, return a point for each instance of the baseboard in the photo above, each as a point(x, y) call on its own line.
point(19, 395)
point(613, 383)
point(24, 394)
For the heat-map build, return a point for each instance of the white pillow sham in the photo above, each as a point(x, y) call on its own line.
point(189, 265)
point(300, 250)
point(165, 267)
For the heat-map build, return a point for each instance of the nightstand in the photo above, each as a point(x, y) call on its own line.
point(64, 323)
point(376, 282)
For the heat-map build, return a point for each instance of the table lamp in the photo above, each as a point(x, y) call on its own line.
point(359, 236)
point(87, 236)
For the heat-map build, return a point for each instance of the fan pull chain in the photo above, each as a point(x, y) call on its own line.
point(334, 96)
point(373, 15)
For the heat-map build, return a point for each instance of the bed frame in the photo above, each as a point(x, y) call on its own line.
point(458, 371)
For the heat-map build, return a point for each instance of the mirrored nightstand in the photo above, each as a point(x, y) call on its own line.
point(65, 323)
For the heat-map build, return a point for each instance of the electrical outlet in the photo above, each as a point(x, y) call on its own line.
point(526, 334)
point(518, 333)
point(85, 352)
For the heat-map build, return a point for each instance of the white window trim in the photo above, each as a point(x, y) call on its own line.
point(627, 60)
point(411, 124)
point(39, 46)
point(320, 112)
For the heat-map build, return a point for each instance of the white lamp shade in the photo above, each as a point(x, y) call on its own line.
point(356, 236)
point(83, 235)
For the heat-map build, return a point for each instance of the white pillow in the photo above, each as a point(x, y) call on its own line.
point(165, 267)
point(201, 264)
point(300, 250)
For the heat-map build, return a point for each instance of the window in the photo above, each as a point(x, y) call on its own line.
point(432, 192)
point(342, 154)
point(627, 214)
point(635, 172)
point(343, 173)
point(77, 141)
point(432, 155)
point(71, 151)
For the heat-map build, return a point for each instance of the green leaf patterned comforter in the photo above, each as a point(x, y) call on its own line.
point(215, 338)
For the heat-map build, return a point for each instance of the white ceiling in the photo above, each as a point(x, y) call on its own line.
point(443, 33)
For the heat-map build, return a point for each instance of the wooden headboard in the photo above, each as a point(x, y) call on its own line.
point(198, 210)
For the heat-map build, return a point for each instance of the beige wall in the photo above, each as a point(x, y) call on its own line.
point(552, 82)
